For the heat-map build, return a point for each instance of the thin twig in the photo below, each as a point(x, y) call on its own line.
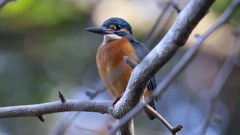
point(178, 68)
point(176, 129)
point(166, 9)
point(92, 95)
point(99, 88)
point(41, 118)
point(61, 96)
point(147, 40)
point(64, 123)
point(226, 68)
point(130, 62)
point(176, 6)
point(221, 78)
point(157, 115)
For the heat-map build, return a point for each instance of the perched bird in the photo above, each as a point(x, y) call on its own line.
point(118, 41)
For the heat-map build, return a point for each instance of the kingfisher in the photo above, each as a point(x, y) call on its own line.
point(118, 41)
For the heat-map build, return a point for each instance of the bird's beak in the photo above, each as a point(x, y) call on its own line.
point(100, 30)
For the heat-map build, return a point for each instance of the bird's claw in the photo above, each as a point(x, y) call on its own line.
point(117, 99)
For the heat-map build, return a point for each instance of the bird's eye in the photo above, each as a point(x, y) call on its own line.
point(118, 27)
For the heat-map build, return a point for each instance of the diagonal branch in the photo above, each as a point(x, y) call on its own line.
point(148, 39)
point(190, 53)
point(157, 115)
point(221, 78)
point(167, 47)
point(166, 11)
point(132, 64)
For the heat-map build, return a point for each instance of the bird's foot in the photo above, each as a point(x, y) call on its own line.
point(117, 99)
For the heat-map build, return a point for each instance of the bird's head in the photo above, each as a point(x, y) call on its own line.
point(112, 29)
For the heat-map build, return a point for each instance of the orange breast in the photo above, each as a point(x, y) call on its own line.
point(114, 72)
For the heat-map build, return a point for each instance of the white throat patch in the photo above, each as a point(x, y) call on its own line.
point(109, 37)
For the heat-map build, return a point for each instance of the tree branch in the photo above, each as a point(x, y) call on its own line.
point(157, 115)
point(166, 48)
point(38, 110)
point(184, 60)
point(132, 64)
point(127, 128)
point(162, 87)
point(221, 78)
point(175, 38)
point(67, 120)
point(181, 64)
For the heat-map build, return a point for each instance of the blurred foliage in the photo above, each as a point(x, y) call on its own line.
point(219, 6)
point(31, 13)
point(31, 34)
point(39, 50)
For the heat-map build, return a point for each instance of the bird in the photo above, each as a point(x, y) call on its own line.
point(118, 41)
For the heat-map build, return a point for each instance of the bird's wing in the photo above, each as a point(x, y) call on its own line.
point(141, 50)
